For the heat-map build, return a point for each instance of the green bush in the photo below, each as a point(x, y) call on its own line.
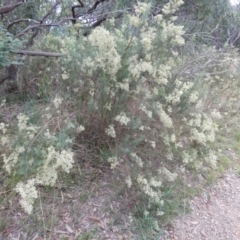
point(7, 47)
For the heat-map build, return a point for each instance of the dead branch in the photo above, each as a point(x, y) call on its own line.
point(32, 27)
point(98, 22)
point(50, 11)
point(94, 6)
point(39, 53)
point(9, 8)
point(81, 5)
point(21, 20)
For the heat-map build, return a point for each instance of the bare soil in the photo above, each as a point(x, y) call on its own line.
point(215, 213)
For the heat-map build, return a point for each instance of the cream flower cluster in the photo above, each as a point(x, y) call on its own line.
point(145, 110)
point(170, 176)
point(137, 159)
point(172, 6)
point(47, 174)
point(163, 116)
point(57, 101)
point(28, 193)
point(202, 128)
point(148, 187)
point(24, 126)
point(122, 118)
point(107, 56)
point(128, 181)
point(124, 85)
point(114, 161)
point(111, 131)
point(3, 127)
point(181, 89)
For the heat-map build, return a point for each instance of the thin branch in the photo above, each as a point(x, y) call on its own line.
point(98, 22)
point(50, 11)
point(39, 23)
point(73, 11)
point(35, 26)
point(235, 40)
point(90, 10)
point(45, 25)
point(30, 40)
point(9, 8)
point(39, 53)
point(22, 20)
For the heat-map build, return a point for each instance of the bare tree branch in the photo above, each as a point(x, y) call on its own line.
point(32, 27)
point(9, 8)
point(39, 23)
point(21, 20)
point(99, 21)
point(39, 53)
point(81, 5)
point(51, 10)
point(94, 6)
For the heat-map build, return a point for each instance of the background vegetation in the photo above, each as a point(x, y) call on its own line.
point(133, 98)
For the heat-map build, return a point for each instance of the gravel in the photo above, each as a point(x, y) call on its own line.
point(215, 213)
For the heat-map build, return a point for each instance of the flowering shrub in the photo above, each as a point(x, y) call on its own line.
point(126, 78)
point(141, 109)
point(35, 153)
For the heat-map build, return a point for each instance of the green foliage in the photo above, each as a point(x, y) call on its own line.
point(237, 137)
point(7, 47)
point(85, 236)
point(147, 225)
point(208, 21)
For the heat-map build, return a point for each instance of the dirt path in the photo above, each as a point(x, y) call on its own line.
point(215, 213)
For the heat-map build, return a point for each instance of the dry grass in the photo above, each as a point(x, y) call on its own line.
point(88, 203)
point(85, 205)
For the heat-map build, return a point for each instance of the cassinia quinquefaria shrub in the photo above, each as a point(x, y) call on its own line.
point(127, 79)
point(124, 81)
